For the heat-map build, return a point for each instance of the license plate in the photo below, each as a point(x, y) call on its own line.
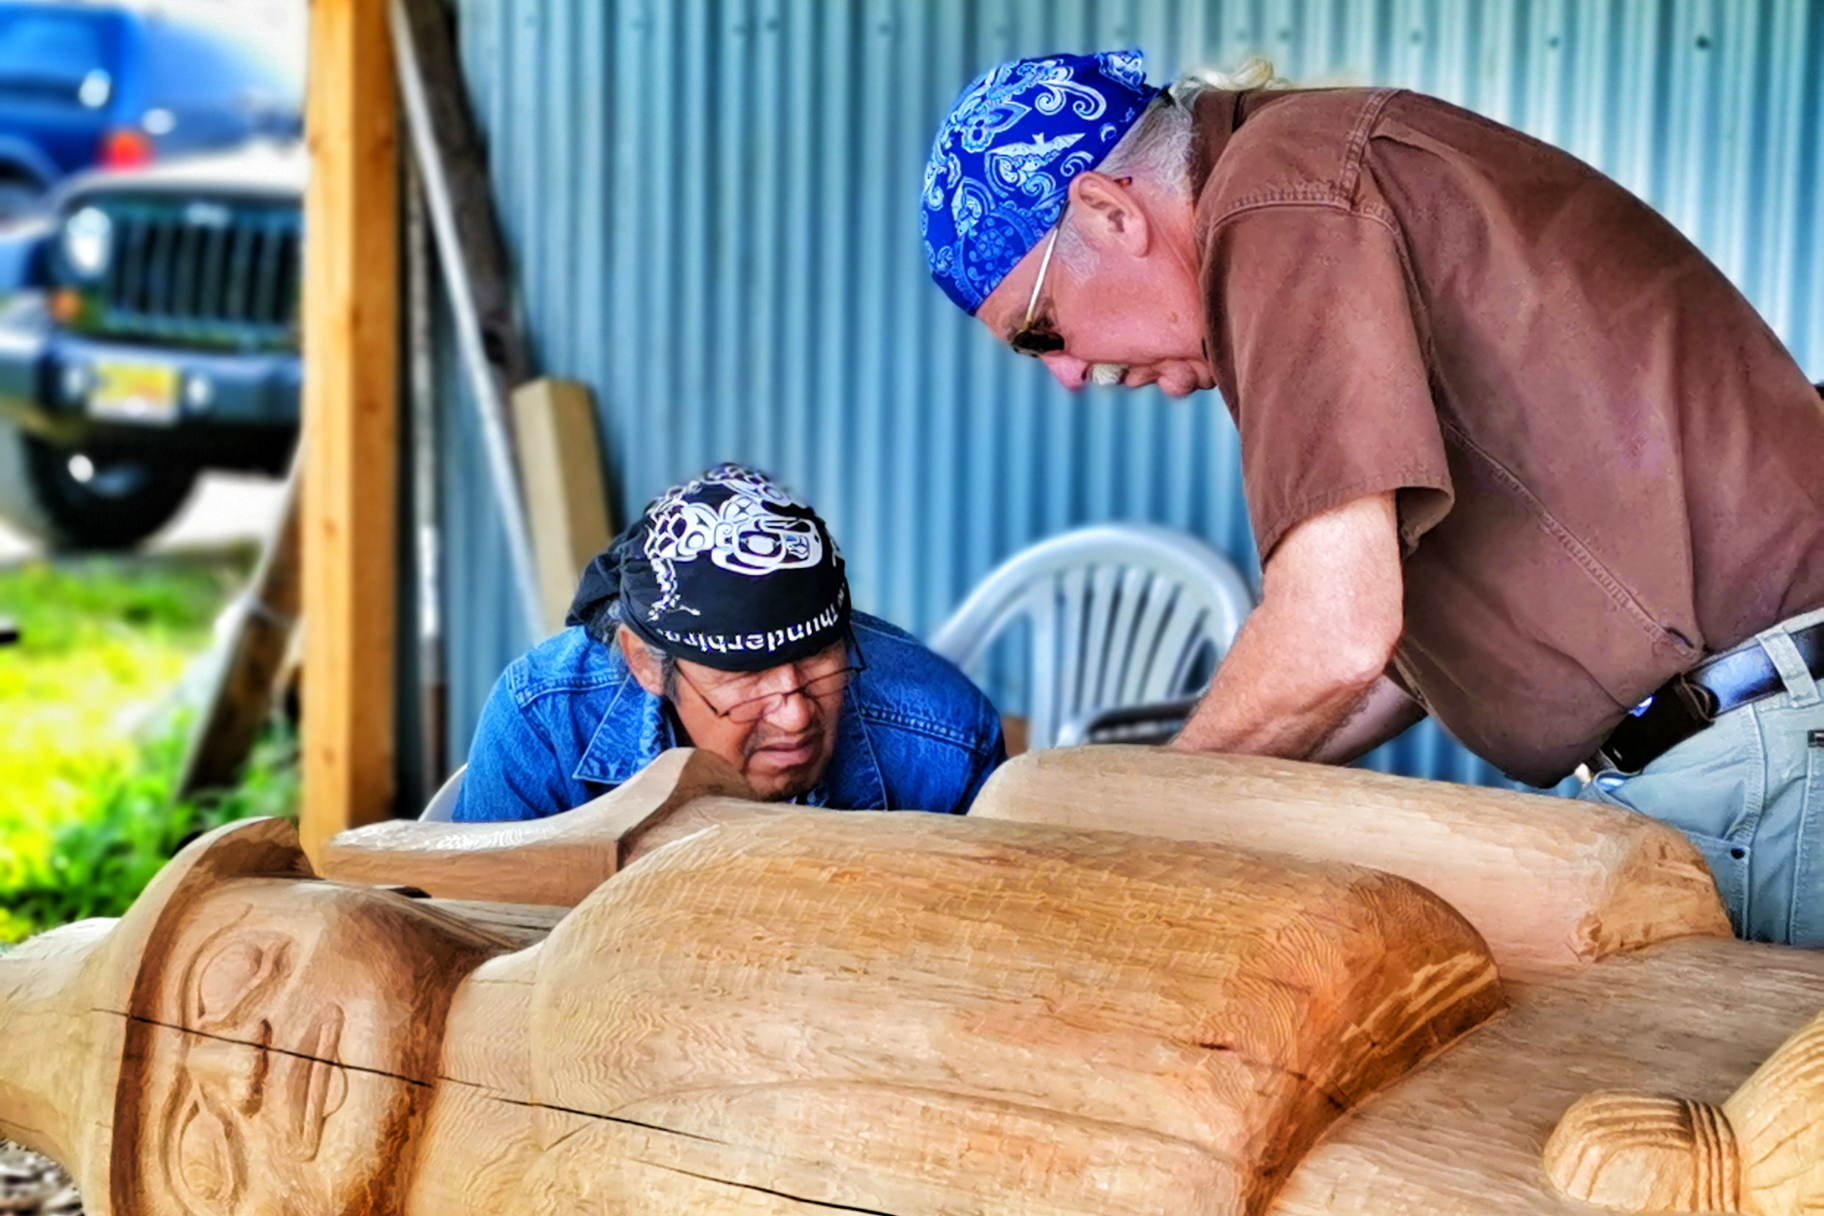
point(134, 392)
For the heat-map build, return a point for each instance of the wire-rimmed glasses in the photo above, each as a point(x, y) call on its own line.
point(752, 709)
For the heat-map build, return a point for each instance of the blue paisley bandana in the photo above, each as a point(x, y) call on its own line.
point(1002, 162)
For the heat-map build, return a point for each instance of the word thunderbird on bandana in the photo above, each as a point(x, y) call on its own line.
point(1001, 164)
point(727, 569)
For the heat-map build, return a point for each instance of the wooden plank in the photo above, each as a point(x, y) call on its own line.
point(351, 423)
point(256, 651)
point(1551, 883)
point(560, 467)
point(454, 172)
point(1464, 1135)
point(454, 164)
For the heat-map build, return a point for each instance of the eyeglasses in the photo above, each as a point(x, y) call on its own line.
point(827, 684)
point(1035, 336)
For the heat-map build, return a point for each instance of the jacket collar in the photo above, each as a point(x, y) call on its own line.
point(633, 731)
point(636, 727)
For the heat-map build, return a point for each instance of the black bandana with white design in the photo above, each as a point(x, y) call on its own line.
point(727, 570)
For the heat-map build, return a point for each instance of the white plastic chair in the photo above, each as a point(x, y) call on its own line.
point(1120, 615)
point(443, 803)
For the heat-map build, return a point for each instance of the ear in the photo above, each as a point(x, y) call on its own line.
point(640, 663)
point(1108, 214)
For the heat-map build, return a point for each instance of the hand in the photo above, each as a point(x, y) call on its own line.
point(1330, 615)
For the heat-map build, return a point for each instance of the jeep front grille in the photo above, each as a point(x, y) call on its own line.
point(199, 271)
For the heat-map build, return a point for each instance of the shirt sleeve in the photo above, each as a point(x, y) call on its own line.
point(1320, 360)
point(513, 771)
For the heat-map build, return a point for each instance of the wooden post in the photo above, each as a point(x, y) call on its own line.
point(351, 423)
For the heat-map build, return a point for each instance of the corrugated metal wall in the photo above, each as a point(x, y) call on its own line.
point(712, 209)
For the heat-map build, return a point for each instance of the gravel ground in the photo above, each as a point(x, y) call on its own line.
point(31, 1184)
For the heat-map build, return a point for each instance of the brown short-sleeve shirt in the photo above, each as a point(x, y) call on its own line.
point(1606, 464)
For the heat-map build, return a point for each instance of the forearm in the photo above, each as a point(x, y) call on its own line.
point(1271, 697)
point(1330, 615)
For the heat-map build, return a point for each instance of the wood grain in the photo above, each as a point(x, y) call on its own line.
point(1552, 884)
point(556, 860)
point(872, 1011)
point(910, 1013)
point(351, 420)
point(521, 924)
point(1761, 1151)
point(1466, 1132)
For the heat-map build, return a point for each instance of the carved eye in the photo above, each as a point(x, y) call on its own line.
point(239, 969)
point(207, 1167)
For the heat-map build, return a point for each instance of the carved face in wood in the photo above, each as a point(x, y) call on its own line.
point(879, 1011)
point(290, 1039)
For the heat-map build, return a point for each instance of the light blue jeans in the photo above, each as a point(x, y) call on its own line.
point(1749, 792)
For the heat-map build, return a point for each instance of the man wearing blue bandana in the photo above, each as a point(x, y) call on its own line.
point(720, 619)
point(1516, 454)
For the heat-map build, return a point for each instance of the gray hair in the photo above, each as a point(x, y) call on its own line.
point(668, 666)
point(1157, 150)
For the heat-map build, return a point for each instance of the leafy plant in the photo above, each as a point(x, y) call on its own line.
point(87, 813)
point(99, 860)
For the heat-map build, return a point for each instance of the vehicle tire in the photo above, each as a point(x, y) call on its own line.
point(72, 500)
point(19, 198)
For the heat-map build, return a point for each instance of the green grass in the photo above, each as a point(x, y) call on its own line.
point(91, 748)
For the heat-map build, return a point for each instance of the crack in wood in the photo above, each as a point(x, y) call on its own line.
point(376, 1072)
point(763, 1190)
point(590, 1114)
point(1339, 1101)
point(296, 1055)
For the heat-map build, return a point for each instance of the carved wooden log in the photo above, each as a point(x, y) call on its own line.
point(876, 1012)
point(1552, 884)
point(1464, 1135)
point(901, 1012)
point(1761, 1152)
point(557, 860)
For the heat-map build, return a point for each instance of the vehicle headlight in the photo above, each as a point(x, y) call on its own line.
point(88, 238)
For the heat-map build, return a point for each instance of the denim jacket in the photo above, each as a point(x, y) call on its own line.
point(567, 722)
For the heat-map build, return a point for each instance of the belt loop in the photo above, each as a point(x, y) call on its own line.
point(1801, 685)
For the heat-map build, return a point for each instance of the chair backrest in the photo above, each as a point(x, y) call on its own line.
point(1120, 614)
point(443, 803)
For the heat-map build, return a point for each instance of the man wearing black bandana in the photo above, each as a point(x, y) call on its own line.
point(721, 619)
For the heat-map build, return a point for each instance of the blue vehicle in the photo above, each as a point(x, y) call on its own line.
point(149, 331)
point(87, 85)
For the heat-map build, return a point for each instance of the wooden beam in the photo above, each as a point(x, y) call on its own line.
point(454, 174)
point(351, 420)
point(560, 466)
point(249, 680)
